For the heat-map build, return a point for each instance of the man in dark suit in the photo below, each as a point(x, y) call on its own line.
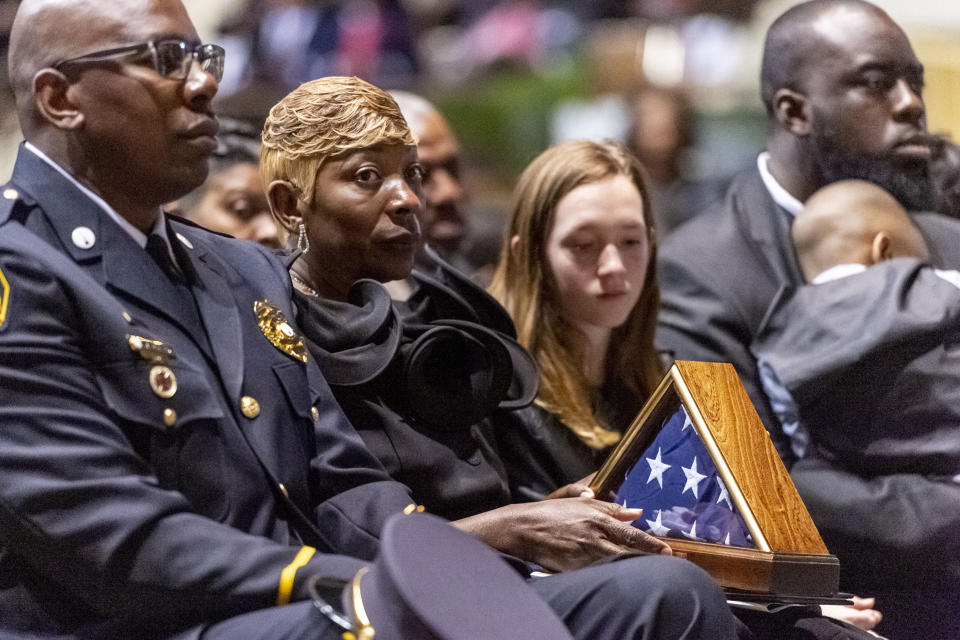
point(842, 88)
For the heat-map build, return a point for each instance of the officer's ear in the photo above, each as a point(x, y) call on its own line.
point(881, 247)
point(51, 94)
point(792, 111)
point(284, 200)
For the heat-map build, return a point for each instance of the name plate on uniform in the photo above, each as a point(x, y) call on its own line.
point(700, 464)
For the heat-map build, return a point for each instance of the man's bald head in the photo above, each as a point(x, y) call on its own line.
point(45, 32)
point(126, 127)
point(853, 221)
point(843, 90)
point(791, 41)
point(416, 109)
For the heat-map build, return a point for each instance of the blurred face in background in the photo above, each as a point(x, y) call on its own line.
point(234, 203)
point(598, 251)
point(443, 220)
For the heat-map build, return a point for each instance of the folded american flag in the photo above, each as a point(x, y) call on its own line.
point(678, 487)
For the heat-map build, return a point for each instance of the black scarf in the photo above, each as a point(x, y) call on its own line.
point(439, 373)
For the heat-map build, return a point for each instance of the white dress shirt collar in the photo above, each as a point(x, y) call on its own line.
point(780, 195)
point(839, 271)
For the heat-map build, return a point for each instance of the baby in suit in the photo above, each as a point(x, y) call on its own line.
point(862, 367)
point(844, 357)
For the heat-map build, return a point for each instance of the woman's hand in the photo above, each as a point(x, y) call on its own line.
point(564, 533)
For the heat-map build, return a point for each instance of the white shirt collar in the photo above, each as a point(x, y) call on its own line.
point(843, 270)
point(780, 195)
point(839, 271)
point(138, 236)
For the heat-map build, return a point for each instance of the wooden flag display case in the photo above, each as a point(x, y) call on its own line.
point(699, 462)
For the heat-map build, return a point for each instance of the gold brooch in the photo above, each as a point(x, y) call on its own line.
point(278, 331)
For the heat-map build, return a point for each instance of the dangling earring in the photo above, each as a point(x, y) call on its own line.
point(303, 242)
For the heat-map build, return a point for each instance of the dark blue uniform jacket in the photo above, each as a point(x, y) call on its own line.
point(127, 514)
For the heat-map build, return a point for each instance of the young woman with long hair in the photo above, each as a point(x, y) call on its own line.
point(577, 274)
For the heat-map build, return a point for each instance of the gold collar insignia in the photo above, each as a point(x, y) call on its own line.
point(278, 331)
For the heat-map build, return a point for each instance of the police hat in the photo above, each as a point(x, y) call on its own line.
point(432, 581)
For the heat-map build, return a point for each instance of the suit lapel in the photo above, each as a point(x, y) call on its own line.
point(767, 227)
point(217, 307)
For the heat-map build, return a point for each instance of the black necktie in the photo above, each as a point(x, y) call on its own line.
point(160, 253)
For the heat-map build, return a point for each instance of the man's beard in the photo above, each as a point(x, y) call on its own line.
point(908, 182)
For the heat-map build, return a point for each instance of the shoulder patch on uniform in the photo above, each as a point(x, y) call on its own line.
point(4, 297)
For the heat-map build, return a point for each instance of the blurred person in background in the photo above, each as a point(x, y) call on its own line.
point(443, 221)
point(461, 235)
point(661, 135)
point(287, 42)
point(232, 200)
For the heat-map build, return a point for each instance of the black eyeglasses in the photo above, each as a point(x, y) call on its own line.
point(169, 57)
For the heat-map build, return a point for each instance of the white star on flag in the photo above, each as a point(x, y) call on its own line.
point(694, 478)
point(657, 467)
point(693, 532)
point(656, 526)
point(723, 493)
point(726, 540)
point(686, 422)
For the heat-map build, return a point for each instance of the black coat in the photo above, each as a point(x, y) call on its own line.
point(424, 382)
point(872, 362)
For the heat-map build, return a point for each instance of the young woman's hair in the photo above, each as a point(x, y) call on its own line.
point(323, 119)
point(524, 284)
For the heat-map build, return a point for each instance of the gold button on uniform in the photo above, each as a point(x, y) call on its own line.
point(10, 194)
point(314, 413)
point(169, 417)
point(249, 406)
point(283, 489)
